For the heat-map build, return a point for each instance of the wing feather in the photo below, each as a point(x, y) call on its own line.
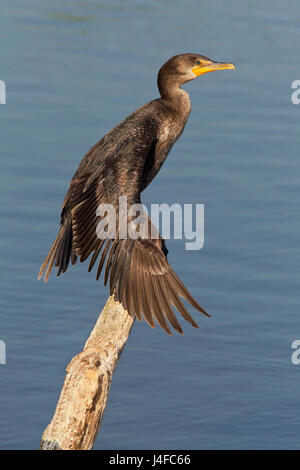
point(138, 271)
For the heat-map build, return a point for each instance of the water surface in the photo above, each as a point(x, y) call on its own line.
point(73, 70)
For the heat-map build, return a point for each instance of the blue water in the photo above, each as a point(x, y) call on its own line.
point(74, 69)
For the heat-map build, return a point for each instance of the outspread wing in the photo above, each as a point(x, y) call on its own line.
point(137, 269)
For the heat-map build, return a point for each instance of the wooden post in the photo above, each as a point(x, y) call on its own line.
point(83, 398)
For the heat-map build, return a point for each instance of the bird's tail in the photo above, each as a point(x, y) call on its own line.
point(60, 253)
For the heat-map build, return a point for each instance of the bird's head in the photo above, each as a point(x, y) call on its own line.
point(185, 67)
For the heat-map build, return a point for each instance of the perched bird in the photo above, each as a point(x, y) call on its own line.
point(123, 163)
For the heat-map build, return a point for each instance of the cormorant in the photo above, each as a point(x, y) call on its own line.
point(123, 163)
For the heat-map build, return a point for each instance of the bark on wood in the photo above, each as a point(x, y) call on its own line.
point(83, 398)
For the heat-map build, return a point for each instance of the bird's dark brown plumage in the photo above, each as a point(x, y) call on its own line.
point(123, 163)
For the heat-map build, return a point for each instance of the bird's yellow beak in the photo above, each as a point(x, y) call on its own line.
point(211, 67)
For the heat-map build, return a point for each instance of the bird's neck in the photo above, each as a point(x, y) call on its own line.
point(176, 98)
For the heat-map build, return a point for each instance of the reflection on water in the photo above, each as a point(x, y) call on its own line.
point(68, 17)
point(75, 69)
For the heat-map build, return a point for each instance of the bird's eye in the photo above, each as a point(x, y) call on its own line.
point(198, 62)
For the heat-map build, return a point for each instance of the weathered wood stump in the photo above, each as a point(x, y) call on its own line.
point(84, 395)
